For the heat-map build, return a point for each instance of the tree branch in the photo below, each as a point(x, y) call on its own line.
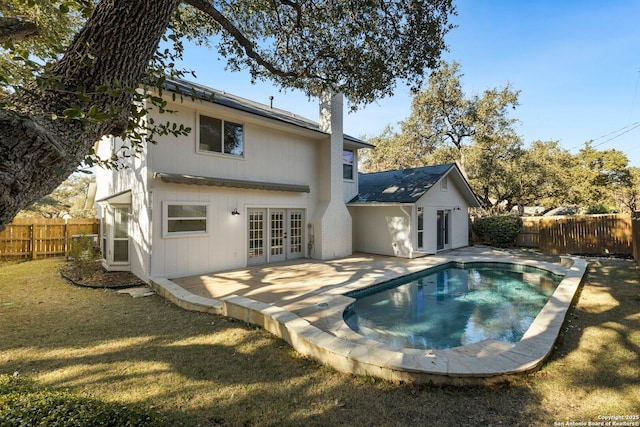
point(15, 29)
point(249, 48)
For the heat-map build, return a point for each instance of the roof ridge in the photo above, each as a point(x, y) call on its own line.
point(407, 169)
point(257, 104)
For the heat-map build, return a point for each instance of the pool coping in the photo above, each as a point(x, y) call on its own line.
point(327, 339)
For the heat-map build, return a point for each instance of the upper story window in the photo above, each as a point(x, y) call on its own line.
point(348, 158)
point(220, 136)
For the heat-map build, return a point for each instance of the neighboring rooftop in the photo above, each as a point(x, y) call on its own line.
point(219, 97)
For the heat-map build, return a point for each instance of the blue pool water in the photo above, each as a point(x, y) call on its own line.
point(452, 305)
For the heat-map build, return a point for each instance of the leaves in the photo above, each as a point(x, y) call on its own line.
point(478, 133)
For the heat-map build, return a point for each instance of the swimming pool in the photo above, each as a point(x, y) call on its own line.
point(452, 305)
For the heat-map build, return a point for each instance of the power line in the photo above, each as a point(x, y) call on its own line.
point(620, 134)
point(617, 133)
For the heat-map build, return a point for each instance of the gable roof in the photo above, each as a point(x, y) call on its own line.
point(225, 99)
point(409, 185)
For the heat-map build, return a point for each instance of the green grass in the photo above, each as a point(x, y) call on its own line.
point(197, 369)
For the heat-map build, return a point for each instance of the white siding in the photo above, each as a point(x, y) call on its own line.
point(270, 154)
point(225, 246)
point(450, 199)
point(273, 152)
point(383, 230)
point(135, 179)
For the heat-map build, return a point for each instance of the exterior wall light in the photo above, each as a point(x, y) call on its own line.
point(235, 212)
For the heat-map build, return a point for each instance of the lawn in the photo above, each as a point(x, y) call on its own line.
point(199, 369)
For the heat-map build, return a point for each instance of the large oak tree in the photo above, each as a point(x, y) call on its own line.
point(50, 120)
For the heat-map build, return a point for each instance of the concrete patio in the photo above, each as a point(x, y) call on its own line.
point(303, 302)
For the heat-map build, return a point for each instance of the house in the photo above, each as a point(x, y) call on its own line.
point(414, 211)
point(252, 184)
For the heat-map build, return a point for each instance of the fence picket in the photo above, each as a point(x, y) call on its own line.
point(43, 237)
point(582, 234)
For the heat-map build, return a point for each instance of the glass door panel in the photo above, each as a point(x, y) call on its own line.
point(256, 234)
point(278, 236)
point(121, 234)
point(295, 242)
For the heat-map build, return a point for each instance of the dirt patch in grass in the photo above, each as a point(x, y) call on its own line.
point(199, 369)
point(91, 274)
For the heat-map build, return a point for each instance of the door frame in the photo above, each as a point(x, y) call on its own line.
point(110, 226)
point(443, 229)
point(283, 234)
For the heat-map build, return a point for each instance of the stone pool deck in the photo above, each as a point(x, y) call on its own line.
point(303, 301)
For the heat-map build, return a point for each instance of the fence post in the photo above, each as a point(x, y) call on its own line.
point(66, 238)
point(32, 230)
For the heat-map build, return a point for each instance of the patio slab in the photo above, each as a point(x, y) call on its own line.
point(303, 301)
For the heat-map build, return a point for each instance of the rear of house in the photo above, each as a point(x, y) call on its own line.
point(250, 184)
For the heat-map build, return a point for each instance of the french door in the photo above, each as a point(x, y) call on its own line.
point(275, 235)
point(257, 236)
point(442, 231)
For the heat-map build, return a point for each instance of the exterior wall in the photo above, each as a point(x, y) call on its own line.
point(450, 199)
point(134, 178)
point(383, 230)
point(273, 152)
point(225, 246)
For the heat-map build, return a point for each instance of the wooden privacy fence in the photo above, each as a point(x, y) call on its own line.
point(43, 237)
point(580, 234)
point(635, 232)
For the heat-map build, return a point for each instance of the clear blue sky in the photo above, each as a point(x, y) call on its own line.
point(576, 63)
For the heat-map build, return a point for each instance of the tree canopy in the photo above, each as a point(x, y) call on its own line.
point(445, 125)
point(443, 116)
point(78, 86)
point(68, 199)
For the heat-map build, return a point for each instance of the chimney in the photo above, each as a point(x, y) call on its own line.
point(331, 219)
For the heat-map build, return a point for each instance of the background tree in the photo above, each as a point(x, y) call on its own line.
point(628, 197)
point(67, 200)
point(597, 177)
point(495, 172)
point(442, 115)
point(545, 165)
point(49, 125)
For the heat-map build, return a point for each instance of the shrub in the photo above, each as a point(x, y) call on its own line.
point(24, 404)
point(84, 248)
point(598, 209)
point(499, 230)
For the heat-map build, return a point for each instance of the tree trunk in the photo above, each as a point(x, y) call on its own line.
point(38, 151)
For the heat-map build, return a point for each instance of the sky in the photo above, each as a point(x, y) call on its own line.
point(576, 64)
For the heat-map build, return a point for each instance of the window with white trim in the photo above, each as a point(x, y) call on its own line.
point(184, 219)
point(444, 184)
point(348, 158)
point(420, 228)
point(220, 136)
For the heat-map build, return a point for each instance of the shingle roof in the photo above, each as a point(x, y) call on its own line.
point(400, 186)
point(205, 93)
